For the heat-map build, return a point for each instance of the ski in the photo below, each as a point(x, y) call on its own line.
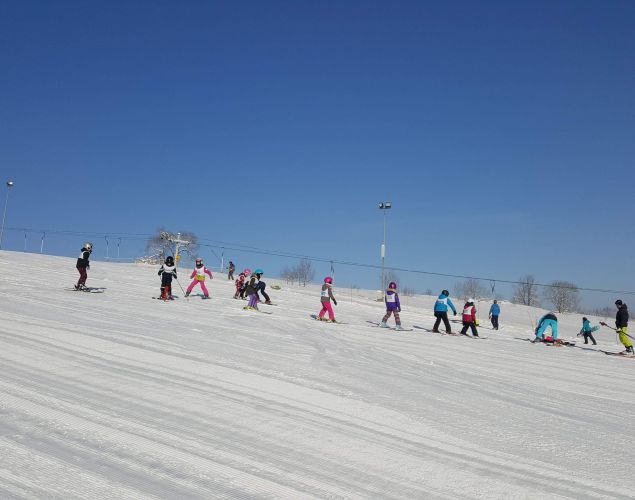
point(256, 310)
point(85, 290)
point(620, 354)
point(317, 318)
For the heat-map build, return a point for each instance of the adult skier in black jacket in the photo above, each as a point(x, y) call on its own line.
point(621, 323)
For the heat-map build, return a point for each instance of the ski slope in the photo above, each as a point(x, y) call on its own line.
point(118, 396)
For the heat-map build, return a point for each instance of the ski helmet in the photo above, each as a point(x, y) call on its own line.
point(199, 262)
point(392, 285)
point(88, 246)
point(445, 292)
point(618, 302)
point(470, 301)
point(259, 271)
point(328, 280)
point(585, 319)
point(247, 272)
point(169, 260)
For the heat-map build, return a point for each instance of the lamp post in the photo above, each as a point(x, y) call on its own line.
point(383, 206)
point(4, 215)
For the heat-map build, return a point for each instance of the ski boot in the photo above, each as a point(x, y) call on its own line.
point(398, 328)
point(434, 330)
point(383, 324)
point(187, 294)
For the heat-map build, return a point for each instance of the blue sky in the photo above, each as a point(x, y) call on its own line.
point(502, 132)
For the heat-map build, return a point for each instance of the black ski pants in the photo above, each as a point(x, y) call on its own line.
point(495, 322)
point(470, 325)
point(587, 336)
point(442, 316)
point(261, 288)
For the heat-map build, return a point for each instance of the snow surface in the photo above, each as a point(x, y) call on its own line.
point(116, 395)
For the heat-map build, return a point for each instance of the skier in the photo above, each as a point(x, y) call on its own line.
point(549, 320)
point(441, 311)
point(82, 265)
point(261, 286)
point(230, 270)
point(326, 295)
point(167, 272)
point(469, 318)
point(199, 277)
point(587, 331)
point(243, 288)
point(251, 290)
point(239, 283)
point(494, 312)
point(621, 324)
point(391, 298)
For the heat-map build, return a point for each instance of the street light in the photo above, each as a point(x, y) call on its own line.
point(384, 205)
point(4, 215)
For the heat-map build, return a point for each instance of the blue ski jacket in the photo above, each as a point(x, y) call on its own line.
point(442, 303)
point(495, 310)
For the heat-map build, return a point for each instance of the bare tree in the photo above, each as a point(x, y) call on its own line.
point(288, 275)
point(406, 291)
point(305, 272)
point(162, 247)
point(563, 295)
point(470, 289)
point(526, 291)
point(428, 291)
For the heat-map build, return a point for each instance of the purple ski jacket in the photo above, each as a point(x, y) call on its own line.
point(392, 300)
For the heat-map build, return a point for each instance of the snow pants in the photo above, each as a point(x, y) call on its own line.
point(203, 287)
point(388, 313)
point(230, 274)
point(166, 285)
point(327, 308)
point(261, 288)
point(495, 322)
point(253, 300)
point(587, 336)
point(626, 342)
point(442, 315)
point(543, 326)
point(83, 276)
point(470, 325)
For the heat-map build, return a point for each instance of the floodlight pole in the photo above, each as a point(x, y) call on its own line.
point(383, 206)
point(4, 215)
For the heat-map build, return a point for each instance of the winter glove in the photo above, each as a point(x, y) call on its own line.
point(455, 313)
point(399, 309)
point(334, 301)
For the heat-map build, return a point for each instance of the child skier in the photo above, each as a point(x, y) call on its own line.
point(243, 288)
point(441, 311)
point(239, 283)
point(469, 318)
point(199, 277)
point(251, 291)
point(587, 331)
point(391, 298)
point(83, 264)
point(326, 296)
point(549, 320)
point(167, 272)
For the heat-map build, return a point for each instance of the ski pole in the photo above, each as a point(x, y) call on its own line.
point(616, 330)
point(186, 297)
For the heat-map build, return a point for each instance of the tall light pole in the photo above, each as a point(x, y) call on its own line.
point(383, 206)
point(4, 215)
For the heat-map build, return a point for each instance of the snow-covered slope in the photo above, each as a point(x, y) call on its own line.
point(116, 395)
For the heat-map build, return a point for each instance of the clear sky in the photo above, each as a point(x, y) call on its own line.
point(502, 132)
